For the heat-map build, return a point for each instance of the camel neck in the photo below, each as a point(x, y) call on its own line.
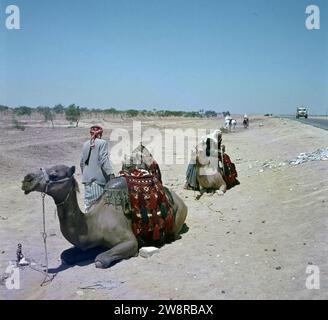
point(69, 213)
point(69, 206)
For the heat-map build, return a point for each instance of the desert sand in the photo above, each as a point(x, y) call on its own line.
point(254, 242)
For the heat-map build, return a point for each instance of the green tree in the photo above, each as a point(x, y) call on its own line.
point(58, 108)
point(210, 113)
point(111, 111)
point(23, 110)
point(73, 114)
point(132, 113)
point(3, 108)
point(48, 114)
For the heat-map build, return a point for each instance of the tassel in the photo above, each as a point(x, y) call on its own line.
point(163, 196)
point(146, 229)
point(144, 215)
point(156, 232)
point(169, 223)
point(163, 210)
point(134, 200)
point(153, 201)
point(134, 229)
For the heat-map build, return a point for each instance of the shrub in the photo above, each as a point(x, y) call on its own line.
point(58, 108)
point(22, 111)
point(18, 125)
point(73, 114)
point(132, 113)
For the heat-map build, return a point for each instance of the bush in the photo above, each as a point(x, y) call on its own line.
point(22, 111)
point(210, 113)
point(111, 111)
point(132, 113)
point(192, 114)
point(73, 114)
point(47, 113)
point(18, 125)
point(3, 108)
point(58, 108)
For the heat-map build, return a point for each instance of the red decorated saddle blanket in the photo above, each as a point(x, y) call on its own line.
point(230, 172)
point(152, 214)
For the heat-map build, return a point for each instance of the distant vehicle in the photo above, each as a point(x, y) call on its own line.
point(301, 112)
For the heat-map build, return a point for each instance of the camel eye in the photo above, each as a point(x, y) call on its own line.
point(53, 175)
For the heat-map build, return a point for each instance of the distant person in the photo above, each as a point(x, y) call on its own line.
point(233, 124)
point(245, 121)
point(96, 167)
point(227, 122)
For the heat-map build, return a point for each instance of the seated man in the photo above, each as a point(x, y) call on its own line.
point(211, 144)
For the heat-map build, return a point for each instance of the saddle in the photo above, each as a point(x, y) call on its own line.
point(147, 162)
point(230, 172)
point(145, 201)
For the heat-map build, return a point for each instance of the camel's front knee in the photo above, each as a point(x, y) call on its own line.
point(121, 251)
point(223, 188)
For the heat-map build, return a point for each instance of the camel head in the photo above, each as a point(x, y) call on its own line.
point(56, 181)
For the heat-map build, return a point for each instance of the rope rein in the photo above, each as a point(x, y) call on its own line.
point(47, 277)
point(44, 236)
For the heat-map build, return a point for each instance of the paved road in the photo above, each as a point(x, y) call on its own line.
point(316, 122)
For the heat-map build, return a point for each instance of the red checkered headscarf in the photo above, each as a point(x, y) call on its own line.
point(95, 132)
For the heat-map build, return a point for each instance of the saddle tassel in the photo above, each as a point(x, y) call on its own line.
point(156, 232)
point(169, 223)
point(134, 229)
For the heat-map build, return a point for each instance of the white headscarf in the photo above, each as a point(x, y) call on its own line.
point(215, 136)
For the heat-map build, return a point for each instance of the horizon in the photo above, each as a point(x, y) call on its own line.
point(249, 57)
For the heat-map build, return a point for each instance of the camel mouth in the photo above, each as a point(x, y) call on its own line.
point(26, 187)
point(29, 183)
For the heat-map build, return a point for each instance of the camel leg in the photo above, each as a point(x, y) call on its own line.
point(123, 250)
point(181, 214)
point(222, 189)
point(201, 192)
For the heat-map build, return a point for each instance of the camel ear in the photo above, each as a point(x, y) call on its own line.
point(71, 171)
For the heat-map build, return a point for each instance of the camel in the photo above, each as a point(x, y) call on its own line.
point(105, 231)
point(204, 172)
point(209, 174)
point(233, 124)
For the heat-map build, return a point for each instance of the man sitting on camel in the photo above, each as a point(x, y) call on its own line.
point(210, 168)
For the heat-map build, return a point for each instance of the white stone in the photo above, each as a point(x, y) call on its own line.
point(23, 262)
point(147, 252)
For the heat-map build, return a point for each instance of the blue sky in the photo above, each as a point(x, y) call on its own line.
point(242, 55)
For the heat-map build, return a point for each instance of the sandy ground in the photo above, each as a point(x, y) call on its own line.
point(255, 242)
